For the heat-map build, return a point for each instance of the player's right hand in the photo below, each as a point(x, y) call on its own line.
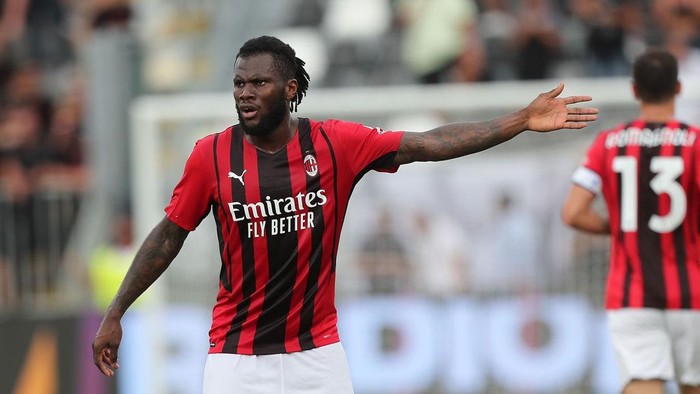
point(105, 347)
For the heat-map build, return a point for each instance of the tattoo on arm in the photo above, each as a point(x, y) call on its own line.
point(152, 259)
point(457, 139)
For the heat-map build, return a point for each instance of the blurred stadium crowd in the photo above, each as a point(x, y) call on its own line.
point(46, 164)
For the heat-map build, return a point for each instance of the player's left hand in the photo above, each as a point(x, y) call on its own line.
point(549, 112)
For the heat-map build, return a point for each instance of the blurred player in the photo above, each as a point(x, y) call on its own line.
point(278, 187)
point(648, 173)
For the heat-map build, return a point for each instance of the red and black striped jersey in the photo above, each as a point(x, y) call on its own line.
point(649, 177)
point(278, 219)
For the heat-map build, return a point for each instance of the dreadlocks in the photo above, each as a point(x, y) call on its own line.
point(284, 60)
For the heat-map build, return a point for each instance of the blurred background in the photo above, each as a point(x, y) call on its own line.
point(453, 277)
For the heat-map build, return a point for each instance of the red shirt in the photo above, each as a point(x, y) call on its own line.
point(648, 174)
point(278, 219)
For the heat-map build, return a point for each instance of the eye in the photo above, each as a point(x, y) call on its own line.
point(260, 82)
point(238, 84)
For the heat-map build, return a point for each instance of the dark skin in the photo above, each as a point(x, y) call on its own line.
point(152, 259)
point(256, 85)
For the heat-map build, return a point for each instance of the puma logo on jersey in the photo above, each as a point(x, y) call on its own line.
point(239, 177)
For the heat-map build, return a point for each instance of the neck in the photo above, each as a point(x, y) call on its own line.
point(273, 142)
point(658, 112)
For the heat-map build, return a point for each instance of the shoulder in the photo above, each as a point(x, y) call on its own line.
point(344, 127)
point(331, 124)
point(204, 147)
point(208, 140)
point(332, 129)
point(692, 128)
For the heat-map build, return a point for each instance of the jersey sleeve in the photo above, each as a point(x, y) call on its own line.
point(192, 197)
point(696, 158)
point(589, 174)
point(367, 148)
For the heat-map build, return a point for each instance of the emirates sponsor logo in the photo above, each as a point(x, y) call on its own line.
point(310, 165)
point(274, 216)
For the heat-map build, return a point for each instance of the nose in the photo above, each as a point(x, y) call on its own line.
point(245, 91)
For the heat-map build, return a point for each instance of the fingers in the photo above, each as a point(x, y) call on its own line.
point(581, 118)
point(579, 121)
point(556, 91)
point(105, 360)
point(578, 118)
point(113, 358)
point(575, 125)
point(577, 99)
point(103, 364)
point(104, 370)
point(581, 111)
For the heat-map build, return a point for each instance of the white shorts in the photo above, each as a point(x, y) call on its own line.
point(656, 344)
point(317, 371)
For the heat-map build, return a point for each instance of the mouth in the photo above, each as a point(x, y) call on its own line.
point(248, 111)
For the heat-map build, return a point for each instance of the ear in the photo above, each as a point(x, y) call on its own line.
point(635, 91)
point(679, 85)
point(291, 89)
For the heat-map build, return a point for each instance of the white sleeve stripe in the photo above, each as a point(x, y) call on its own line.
point(588, 179)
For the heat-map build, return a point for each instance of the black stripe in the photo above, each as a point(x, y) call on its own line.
point(223, 273)
point(282, 254)
point(679, 244)
point(247, 252)
point(628, 277)
point(313, 185)
point(649, 241)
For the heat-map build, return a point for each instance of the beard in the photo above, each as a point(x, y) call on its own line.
point(268, 122)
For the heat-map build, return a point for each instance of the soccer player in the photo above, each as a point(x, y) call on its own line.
point(648, 173)
point(278, 187)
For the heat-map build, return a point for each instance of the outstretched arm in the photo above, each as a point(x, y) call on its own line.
point(547, 112)
point(152, 259)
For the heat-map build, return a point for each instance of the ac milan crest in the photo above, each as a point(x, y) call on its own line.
point(310, 165)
